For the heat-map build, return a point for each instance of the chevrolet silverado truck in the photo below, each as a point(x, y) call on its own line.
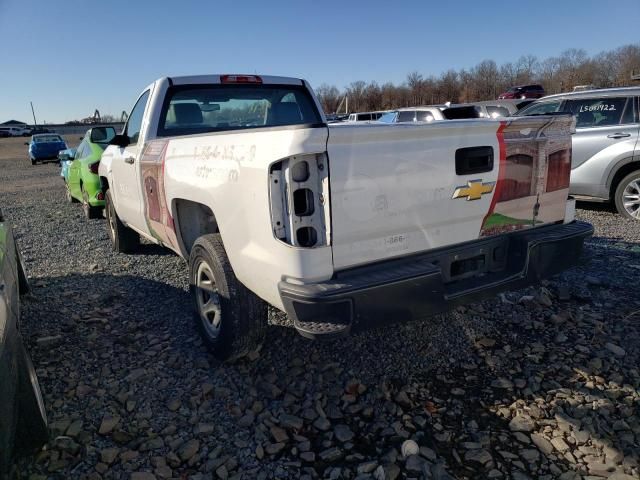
point(339, 227)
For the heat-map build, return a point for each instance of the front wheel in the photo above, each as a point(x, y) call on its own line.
point(123, 239)
point(31, 430)
point(33, 161)
point(232, 320)
point(627, 196)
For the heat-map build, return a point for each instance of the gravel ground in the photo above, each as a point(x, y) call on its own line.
point(541, 383)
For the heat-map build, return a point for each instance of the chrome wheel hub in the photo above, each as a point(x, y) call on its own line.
point(208, 300)
point(631, 198)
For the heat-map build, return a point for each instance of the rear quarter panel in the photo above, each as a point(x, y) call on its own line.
point(229, 173)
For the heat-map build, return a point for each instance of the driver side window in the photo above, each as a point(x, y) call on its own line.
point(134, 123)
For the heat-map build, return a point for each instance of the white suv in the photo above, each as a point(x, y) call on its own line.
point(16, 131)
point(605, 163)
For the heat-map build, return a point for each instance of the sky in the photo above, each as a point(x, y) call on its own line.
point(72, 56)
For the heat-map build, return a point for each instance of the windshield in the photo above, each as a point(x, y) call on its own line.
point(47, 139)
point(198, 109)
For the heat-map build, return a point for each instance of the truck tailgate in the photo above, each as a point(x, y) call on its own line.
point(402, 189)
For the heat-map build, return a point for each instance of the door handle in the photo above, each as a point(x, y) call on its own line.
point(129, 160)
point(619, 135)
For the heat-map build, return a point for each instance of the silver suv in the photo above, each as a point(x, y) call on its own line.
point(605, 163)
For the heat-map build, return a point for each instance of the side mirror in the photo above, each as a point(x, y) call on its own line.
point(80, 138)
point(120, 140)
point(26, 143)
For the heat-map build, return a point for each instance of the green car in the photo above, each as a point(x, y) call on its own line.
point(81, 176)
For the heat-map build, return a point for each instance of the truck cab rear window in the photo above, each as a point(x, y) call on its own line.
point(210, 108)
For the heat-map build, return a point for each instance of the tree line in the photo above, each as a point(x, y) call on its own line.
point(487, 80)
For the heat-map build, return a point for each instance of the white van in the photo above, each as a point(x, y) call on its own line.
point(365, 116)
point(17, 131)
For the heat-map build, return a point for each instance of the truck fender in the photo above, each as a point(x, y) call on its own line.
point(191, 221)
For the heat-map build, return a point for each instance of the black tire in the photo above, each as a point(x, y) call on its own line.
point(7, 441)
point(33, 162)
point(23, 280)
point(70, 198)
point(620, 193)
point(123, 239)
point(32, 429)
point(242, 316)
point(90, 212)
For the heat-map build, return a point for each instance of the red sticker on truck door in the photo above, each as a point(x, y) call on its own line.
point(156, 211)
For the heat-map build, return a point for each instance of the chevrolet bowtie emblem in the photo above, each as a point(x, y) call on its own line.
point(473, 190)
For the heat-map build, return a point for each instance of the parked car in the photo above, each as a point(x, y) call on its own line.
point(16, 131)
point(340, 226)
point(429, 113)
point(39, 130)
point(364, 116)
point(605, 163)
point(82, 180)
point(523, 91)
point(4, 133)
point(23, 420)
point(45, 146)
point(417, 114)
point(496, 108)
point(582, 88)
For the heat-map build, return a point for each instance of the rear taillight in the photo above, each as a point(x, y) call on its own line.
point(93, 168)
point(99, 196)
point(240, 79)
point(299, 194)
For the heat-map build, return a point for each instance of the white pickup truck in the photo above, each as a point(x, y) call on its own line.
point(339, 227)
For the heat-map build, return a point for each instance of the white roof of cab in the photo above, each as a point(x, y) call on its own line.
point(214, 79)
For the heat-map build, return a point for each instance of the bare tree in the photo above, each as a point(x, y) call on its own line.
point(329, 97)
point(486, 80)
point(355, 92)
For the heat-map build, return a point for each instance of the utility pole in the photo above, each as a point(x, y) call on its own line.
point(35, 123)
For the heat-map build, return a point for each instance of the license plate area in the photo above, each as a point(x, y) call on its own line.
point(468, 266)
point(491, 257)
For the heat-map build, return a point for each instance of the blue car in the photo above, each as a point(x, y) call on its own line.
point(45, 146)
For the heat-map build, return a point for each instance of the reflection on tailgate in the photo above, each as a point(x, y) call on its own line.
point(533, 176)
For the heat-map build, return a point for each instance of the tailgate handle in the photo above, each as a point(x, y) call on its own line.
point(472, 160)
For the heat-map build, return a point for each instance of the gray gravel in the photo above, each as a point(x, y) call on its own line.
point(541, 383)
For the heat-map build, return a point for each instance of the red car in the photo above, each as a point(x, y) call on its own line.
point(523, 91)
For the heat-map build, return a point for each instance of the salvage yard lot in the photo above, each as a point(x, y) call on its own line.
point(539, 383)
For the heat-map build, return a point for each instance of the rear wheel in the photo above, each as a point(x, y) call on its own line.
point(232, 320)
point(123, 239)
point(627, 196)
point(89, 212)
point(70, 198)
